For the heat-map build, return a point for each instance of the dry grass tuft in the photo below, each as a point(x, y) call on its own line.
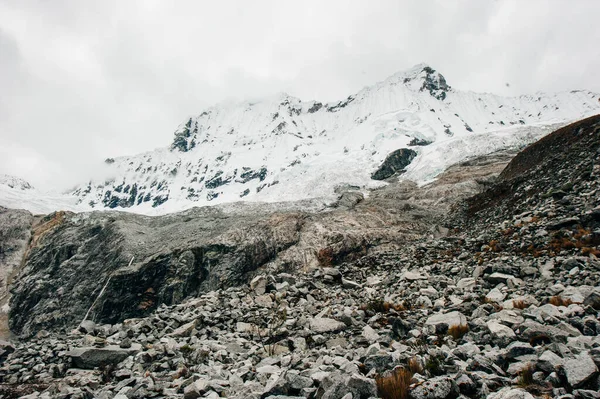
point(526, 375)
point(396, 385)
point(414, 366)
point(559, 301)
point(325, 256)
point(458, 331)
point(381, 306)
point(519, 304)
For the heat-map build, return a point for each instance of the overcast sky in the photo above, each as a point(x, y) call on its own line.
point(84, 80)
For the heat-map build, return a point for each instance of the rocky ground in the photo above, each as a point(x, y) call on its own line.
point(503, 302)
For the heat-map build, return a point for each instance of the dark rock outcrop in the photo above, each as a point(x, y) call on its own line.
point(175, 256)
point(548, 168)
point(15, 225)
point(394, 163)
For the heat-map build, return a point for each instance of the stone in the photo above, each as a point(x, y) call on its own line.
point(339, 341)
point(264, 301)
point(466, 385)
point(436, 388)
point(379, 362)
point(370, 334)
point(184, 330)
point(332, 272)
point(88, 358)
point(413, 276)
point(87, 326)
point(259, 285)
point(496, 278)
point(196, 389)
point(350, 284)
point(495, 295)
point(511, 393)
point(242, 327)
point(516, 349)
point(467, 283)
point(549, 361)
point(324, 325)
point(451, 319)
point(580, 370)
point(508, 317)
point(337, 385)
point(500, 332)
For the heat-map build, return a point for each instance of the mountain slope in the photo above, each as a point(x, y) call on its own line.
point(284, 149)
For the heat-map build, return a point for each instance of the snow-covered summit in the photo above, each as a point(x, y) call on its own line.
point(14, 182)
point(284, 149)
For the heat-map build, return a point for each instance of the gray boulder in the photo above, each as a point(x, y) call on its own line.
point(580, 370)
point(436, 388)
point(511, 393)
point(89, 358)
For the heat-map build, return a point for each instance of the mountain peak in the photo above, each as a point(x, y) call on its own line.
point(421, 77)
point(15, 182)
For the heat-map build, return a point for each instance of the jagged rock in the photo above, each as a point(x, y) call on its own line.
point(436, 388)
point(184, 330)
point(370, 334)
point(87, 326)
point(394, 163)
point(580, 369)
point(450, 319)
point(163, 271)
point(259, 284)
point(196, 389)
point(336, 386)
point(511, 393)
point(516, 349)
point(501, 332)
point(325, 325)
point(88, 358)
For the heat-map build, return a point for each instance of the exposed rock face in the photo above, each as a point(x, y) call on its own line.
point(394, 163)
point(174, 257)
point(15, 226)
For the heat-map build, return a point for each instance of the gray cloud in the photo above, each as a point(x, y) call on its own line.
point(82, 81)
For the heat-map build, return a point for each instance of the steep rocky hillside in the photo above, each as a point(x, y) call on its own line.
point(484, 284)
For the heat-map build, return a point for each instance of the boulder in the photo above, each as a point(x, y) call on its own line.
point(196, 389)
point(88, 358)
point(580, 370)
point(323, 325)
point(500, 332)
point(511, 393)
point(436, 388)
point(450, 319)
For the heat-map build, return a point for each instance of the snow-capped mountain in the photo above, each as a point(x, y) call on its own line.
point(14, 182)
point(282, 148)
point(17, 193)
